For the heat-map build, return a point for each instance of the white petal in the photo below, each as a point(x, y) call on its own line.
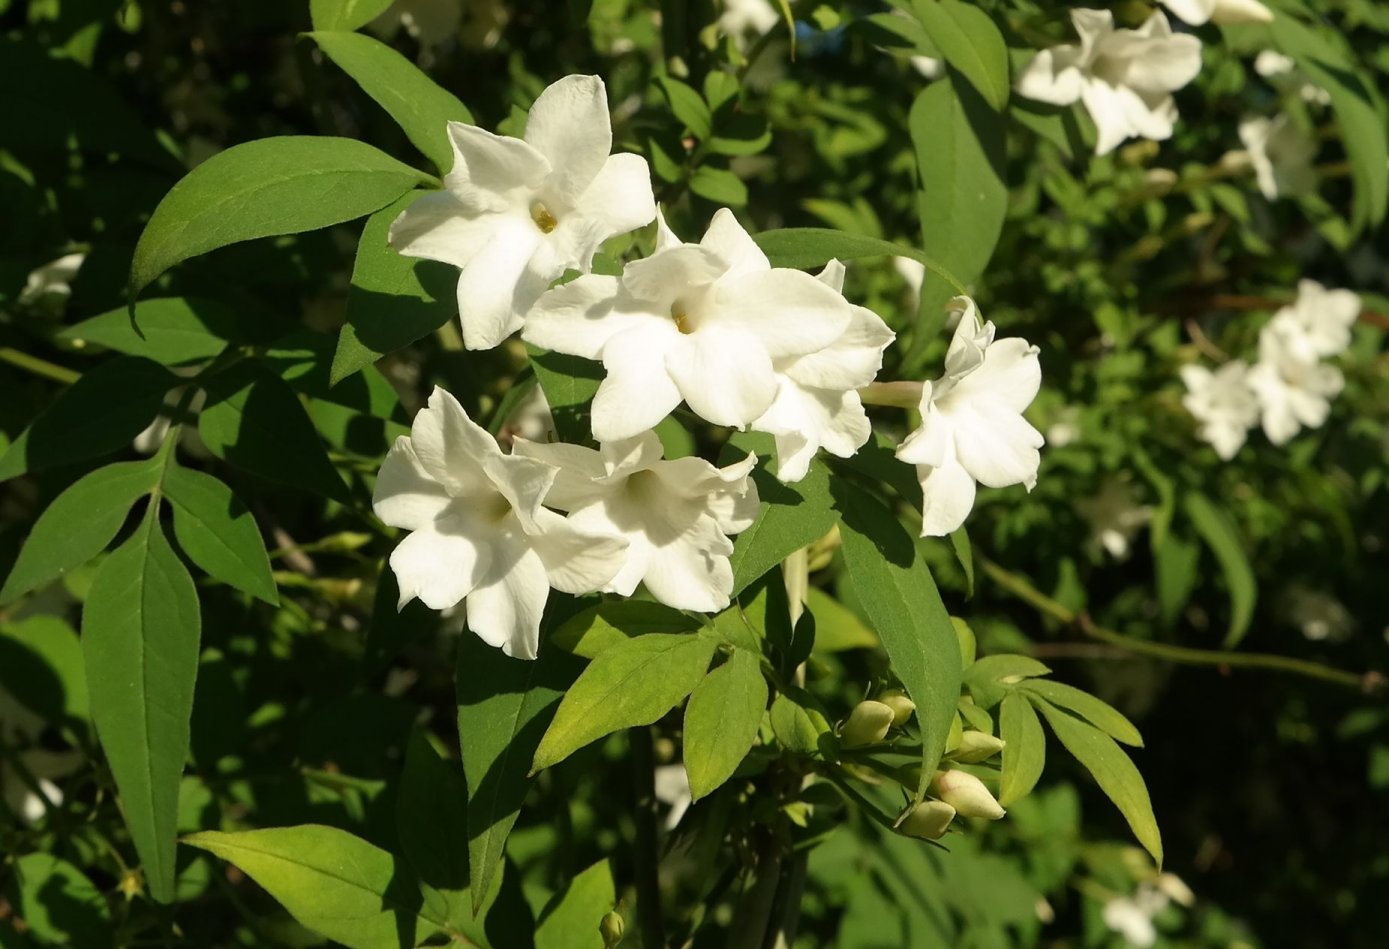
point(405, 495)
point(693, 574)
point(638, 391)
point(790, 312)
point(576, 318)
point(506, 610)
point(438, 226)
point(803, 420)
point(1194, 12)
point(676, 274)
point(998, 448)
point(1166, 66)
point(620, 197)
point(498, 286)
point(450, 446)
point(1241, 11)
point(665, 237)
point(931, 444)
point(1052, 76)
point(850, 362)
point(947, 497)
point(1009, 376)
point(832, 274)
point(569, 124)
point(438, 567)
point(578, 468)
point(576, 561)
point(724, 375)
point(523, 482)
point(1116, 111)
point(492, 173)
point(728, 494)
point(734, 245)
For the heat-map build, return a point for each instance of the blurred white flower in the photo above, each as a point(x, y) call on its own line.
point(913, 272)
point(51, 283)
point(1114, 516)
point(149, 440)
point(929, 68)
point(478, 530)
point(817, 404)
point(530, 419)
point(674, 515)
point(1065, 426)
point(1318, 323)
point(1293, 390)
point(972, 427)
point(1224, 404)
point(514, 214)
point(700, 322)
point(1132, 916)
point(1281, 154)
point(1197, 12)
point(1317, 615)
point(1282, 74)
point(432, 22)
point(673, 788)
point(742, 19)
point(1125, 78)
point(18, 728)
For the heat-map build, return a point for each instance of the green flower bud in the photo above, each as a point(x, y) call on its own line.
point(928, 820)
point(611, 929)
point(867, 725)
point(902, 707)
point(975, 747)
point(967, 794)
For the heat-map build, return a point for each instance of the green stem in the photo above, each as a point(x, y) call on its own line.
point(39, 367)
point(1370, 682)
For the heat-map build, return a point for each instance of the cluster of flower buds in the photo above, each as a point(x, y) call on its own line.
point(956, 792)
point(871, 719)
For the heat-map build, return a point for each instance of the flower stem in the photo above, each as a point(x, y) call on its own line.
point(904, 395)
point(1370, 682)
point(39, 367)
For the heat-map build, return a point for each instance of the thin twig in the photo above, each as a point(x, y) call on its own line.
point(39, 367)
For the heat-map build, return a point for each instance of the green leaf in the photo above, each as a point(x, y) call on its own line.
point(284, 185)
point(432, 823)
point(721, 721)
point(837, 627)
point(1221, 536)
point(569, 384)
point(896, 589)
point(41, 666)
point(570, 920)
point(58, 904)
point(1112, 770)
point(798, 723)
point(959, 143)
point(964, 553)
point(140, 630)
point(1176, 568)
point(969, 42)
point(789, 517)
point(720, 186)
point(990, 677)
point(600, 627)
point(172, 330)
point(98, 414)
point(806, 248)
point(1024, 749)
point(392, 300)
point(633, 683)
point(420, 107)
point(504, 706)
point(336, 884)
point(218, 533)
point(1094, 710)
point(255, 421)
point(345, 14)
point(79, 524)
point(687, 104)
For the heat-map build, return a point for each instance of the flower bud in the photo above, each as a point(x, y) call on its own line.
point(867, 725)
point(902, 707)
point(611, 929)
point(928, 820)
point(966, 793)
point(975, 747)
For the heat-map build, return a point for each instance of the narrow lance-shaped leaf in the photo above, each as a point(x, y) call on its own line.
point(271, 186)
point(590, 631)
point(171, 330)
point(1095, 711)
point(721, 721)
point(140, 632)
point(900, 597)
point(345, 14)
point(1220, 534)
point(1024, 749)
point(970, 43)
point(217, 532)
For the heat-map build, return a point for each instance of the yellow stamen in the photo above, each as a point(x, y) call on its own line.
point(678, 315)
point(542, 217)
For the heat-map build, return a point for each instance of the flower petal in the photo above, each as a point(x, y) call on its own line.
point(668, 275)
point(492, 173)
point(1009, 376)
point(850, 362)
point(506, 610)
point(499, 286)
point(577, 318)
point(406, 495)
point(569, 124)
point(1052, 76)
point(947, 497)
point(577, 561)
point(524, 482)
point(438, 567)
point(734, 245)
point(450, 446)
point(724, 374)
point(577, 470)
point(789, 312)
point(638, 391)
point(693, 574)
point(620, 197)
point(997, 447)
point(438, 226)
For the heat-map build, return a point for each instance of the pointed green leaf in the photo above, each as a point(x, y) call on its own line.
point(970, 43)
point(255, 421)
point(1096, 711)
point(789, 517)
point(633, 683)
point(896, 589)
point(570, 920)
point(1113, 771)
point(688, 105)
point(345, 14)
point(808, 247)
point(58, 904)
point(172, 330)
point(614, 621)
point(263, 188)
point(1024, 749)
point(1222, 537)
point(98, 414)
point(217, 532)
point(721, 721)
point(991, 677)
point(569, 384)
point(336, 884)
point(504, 706)
point(140, 631)
point(798, 723)
point(836, 626)
point(41, 666)
point(79, 524)
point(392, 300)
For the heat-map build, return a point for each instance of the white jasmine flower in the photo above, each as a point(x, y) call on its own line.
point(700, 322)
point(52, 281)
point(514, 214)
point(1318, 615)
point(1282, 155)
point(1114, 516)
point(743, 18)
point(972, 428)
point(1197, 12)
point(1282, 73)
point(913, 272)
point(1125, 78)
point(929, 68)
point(817, 404)
point(1318, 323)
point(674, 515)
point(672, 787)
point(1065, 427)
point(1223, 403)
point(1293, 391)
point(149, 440)
point(531, 419)
point(1132, 916)
point(478, 530)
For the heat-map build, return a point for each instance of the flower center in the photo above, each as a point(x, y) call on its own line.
point(682, 320)
point(543, 218)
